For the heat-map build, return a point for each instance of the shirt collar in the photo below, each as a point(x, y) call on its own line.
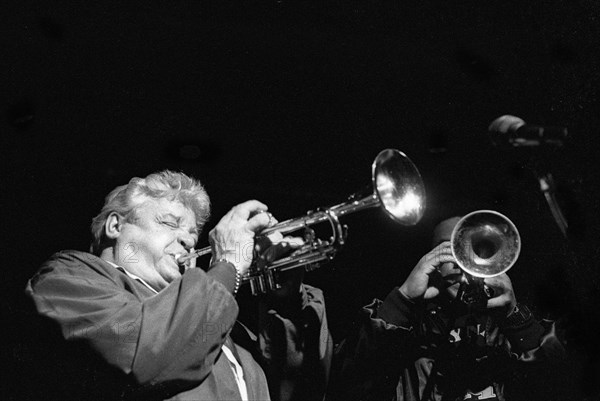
point(133, 276)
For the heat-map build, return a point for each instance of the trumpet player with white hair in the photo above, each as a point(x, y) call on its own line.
point(141, 324)
point(436, 337)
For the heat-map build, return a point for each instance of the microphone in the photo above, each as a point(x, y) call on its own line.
point(517, 133)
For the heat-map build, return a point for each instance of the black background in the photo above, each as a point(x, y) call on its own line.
point(289, 102)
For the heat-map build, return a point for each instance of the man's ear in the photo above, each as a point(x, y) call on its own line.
point(112, 227)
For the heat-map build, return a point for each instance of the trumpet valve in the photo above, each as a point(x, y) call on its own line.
point(271, 282)
point(310, 267)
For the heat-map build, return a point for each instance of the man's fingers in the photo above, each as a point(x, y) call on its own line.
point(499, 283)
point(248, 208)
point(500, 301)
point(502, 286)
point(493, 282)
point(497, 302)
point(431, 292)
point(444, 245)
point(294, 242)
point(276, 238)
point(500, 280)
point(273, 220)
point(260, 221)
point(441, 250)
point(435, 262)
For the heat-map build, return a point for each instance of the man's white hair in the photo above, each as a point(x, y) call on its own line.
point(170, 185)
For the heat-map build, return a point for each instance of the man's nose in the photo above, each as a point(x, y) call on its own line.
point(186, 240)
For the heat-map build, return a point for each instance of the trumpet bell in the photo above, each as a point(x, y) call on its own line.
point(399, 186)
point(485, 243)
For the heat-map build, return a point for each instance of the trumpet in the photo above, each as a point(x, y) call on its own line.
point(397, 186)
point(485, 244)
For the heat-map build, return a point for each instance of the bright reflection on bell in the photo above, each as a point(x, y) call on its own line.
point(385, 189)
point(399, 187)
point(409, 204)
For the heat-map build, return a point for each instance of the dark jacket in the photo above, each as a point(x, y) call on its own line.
point(168, 345)
point(430, 351)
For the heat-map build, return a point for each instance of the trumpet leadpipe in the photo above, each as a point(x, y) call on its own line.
point(184, 259)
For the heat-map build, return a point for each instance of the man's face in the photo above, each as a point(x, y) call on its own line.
point(452, 276)
point(147, 246)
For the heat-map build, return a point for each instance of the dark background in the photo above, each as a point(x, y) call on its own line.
point(289, 102)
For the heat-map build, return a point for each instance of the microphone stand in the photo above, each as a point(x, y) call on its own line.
point(508, 127)
point(548, 188)
point(582, 311)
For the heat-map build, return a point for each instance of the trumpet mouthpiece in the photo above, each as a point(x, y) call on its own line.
point(184, 259)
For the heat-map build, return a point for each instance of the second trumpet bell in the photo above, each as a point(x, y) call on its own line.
point(485, 243)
